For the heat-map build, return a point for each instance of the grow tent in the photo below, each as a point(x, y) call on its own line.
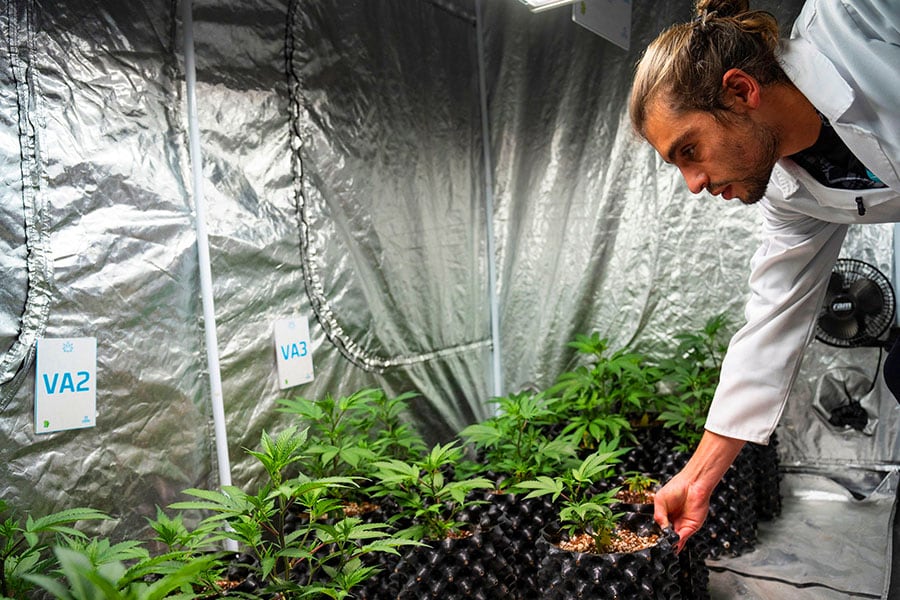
point(447, 189)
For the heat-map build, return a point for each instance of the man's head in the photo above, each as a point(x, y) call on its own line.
point(696, 92)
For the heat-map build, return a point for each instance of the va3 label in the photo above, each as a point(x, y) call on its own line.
point(65, 384)
point(293, 352)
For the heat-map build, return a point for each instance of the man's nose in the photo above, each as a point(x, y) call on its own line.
point(696, 180)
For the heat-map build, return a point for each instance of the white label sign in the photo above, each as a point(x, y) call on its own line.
point(65, 384)
point(610, 19)
point(293, 352)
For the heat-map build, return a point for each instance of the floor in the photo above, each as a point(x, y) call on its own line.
point(826, 545)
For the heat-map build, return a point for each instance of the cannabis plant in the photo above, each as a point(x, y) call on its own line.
point(584, 508)
point(514, 444)
point(319, 555)
point(691, 376)
point(391, 437)
point(637, 488)
point(603, 399)
point(427, 492)
point(338, 439)
point(174, 535)
point(25, 545)
point(184, 545)
point(348, 433)
point(638, 483)
point(84, 577)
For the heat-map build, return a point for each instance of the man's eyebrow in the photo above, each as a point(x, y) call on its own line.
point(669, 156)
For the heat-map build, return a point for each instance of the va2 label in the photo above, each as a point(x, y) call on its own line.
point(65, 384)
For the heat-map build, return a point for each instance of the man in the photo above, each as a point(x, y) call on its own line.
point(809, 131)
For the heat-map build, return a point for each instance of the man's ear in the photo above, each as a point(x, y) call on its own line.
point(740, 91)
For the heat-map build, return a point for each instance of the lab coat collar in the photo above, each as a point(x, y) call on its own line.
point(784, 180)
point(817, 77)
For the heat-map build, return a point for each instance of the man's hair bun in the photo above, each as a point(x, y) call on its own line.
point(706, 9)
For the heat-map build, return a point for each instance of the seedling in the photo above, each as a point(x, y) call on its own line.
point(583, 510)
point(427, 493)
point(514, 444)
point(25, 546)
point(604, 399)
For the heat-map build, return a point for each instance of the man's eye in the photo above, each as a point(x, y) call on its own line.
point(688, 152)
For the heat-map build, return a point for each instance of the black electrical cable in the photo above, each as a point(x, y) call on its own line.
point(877, 370)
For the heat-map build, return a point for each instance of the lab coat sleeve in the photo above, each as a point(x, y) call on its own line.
point(788, 280)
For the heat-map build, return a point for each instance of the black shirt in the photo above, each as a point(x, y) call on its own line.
point(833, 165)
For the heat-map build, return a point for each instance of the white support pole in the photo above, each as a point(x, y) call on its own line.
point(206, 293)
point(489, 205)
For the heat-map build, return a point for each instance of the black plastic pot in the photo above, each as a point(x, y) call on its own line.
point(651, 442)
point(731, 525)
point(649, 574)
point(453, 569)
point(693, 575)
point(768, 479)
point(521, 522)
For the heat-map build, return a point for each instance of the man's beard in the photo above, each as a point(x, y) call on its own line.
point(759, 170)
point(756, 186)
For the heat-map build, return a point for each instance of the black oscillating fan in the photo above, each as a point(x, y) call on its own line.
point(859, 306)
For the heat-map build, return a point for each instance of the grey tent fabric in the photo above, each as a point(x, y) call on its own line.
point(345, 176)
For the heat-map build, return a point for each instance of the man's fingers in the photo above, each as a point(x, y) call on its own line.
point(660, 516)
point(684, 533)
point(660, 511)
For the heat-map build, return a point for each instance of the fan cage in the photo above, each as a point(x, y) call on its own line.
point(874, 325)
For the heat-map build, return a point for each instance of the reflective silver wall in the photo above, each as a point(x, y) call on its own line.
point(347, 179)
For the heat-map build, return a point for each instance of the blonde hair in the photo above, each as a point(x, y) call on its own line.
point(684, 65)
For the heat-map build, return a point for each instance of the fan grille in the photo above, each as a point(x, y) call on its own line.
point(859, 305)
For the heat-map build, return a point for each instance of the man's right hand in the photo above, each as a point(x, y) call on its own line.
point(682, 506)
point(683, 502)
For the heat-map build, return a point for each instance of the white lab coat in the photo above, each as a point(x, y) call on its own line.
point(845, 58)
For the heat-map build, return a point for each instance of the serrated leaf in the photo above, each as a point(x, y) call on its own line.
point(541, 486)
point(52, 521)
point(482, 433)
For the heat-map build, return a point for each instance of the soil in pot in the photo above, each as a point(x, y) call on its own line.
point(650, 572)
point(636, 493)
point(693, 572)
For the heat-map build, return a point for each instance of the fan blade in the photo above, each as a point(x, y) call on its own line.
point(843, 329)
point(867, 296)
point(862, 327)
point(835, 283)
